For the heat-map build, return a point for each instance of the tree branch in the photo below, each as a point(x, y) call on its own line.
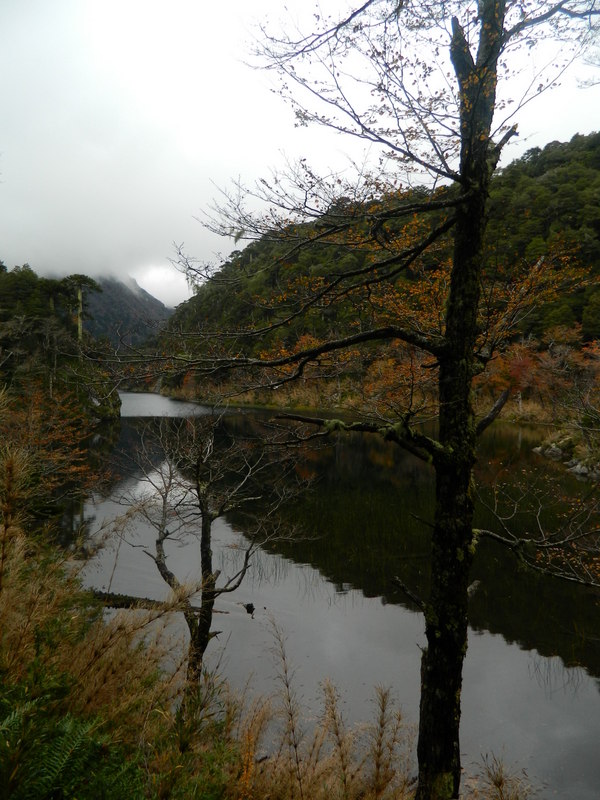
point(400, 433)
point(492, 413)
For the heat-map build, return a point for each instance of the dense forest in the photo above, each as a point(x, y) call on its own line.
point(64, 332)
point(85, 710)
point(547, 200)
point(42, 340)
point(544, 217)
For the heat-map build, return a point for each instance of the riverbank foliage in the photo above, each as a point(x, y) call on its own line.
point(87, 711)
point(539, 308)
point(42, 341)
point(89, 699)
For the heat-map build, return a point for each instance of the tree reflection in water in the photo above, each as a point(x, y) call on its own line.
point(534, 640)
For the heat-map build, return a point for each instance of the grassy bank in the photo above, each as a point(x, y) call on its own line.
point(88, 710)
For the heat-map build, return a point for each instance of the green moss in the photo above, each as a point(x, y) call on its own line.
point(334, 425)
point(442, 787)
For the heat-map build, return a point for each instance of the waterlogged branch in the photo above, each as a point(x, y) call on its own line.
point(130, 601)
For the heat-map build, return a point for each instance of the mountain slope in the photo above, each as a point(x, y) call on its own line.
point(547, 199)
point(125, 313)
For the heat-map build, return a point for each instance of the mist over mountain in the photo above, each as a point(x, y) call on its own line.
point(124, 313)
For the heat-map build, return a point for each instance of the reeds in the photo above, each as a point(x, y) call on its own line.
point(49, 626)
point(290, 755)
point(287, 753)
point(99, 678)
point(496, 782)
point(214, 745)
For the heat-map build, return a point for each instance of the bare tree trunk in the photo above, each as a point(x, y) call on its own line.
point(200, 622)
point(446, 630)
point(79, 314)
point(452, 541)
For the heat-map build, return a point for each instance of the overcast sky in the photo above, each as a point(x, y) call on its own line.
point(118, 117)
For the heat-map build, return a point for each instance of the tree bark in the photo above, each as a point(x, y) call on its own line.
point(79, 314)
point(438, 747)
point(200, 622)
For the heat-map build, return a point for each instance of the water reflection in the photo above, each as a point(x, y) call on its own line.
point(147, 404)
point(534, 642)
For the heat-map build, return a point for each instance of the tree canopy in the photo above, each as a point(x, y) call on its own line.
point(429, 85)
point(40, 338)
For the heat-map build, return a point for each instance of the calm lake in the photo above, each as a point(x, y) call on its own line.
point(530, 694)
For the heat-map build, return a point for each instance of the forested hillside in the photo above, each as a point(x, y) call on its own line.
point(124, 313)
point(550, 199)
point(542, 268)
point(544, 202)
point(41, 341)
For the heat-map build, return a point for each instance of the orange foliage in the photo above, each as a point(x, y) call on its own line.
point(401, 378)
point(50, 433)
point(397, 376)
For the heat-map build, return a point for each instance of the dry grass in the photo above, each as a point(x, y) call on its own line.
point(261, 750)
point(48, 625)
point(287, 755)
point(211, 746)
point(496, 782)
point(51, 631)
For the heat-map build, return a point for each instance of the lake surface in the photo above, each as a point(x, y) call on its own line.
point(530, 694)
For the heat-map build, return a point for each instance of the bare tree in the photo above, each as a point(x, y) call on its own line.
point(193, 472)
point(568, 547)
point(429, 84)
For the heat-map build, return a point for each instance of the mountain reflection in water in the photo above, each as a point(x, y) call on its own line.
point(530, 690)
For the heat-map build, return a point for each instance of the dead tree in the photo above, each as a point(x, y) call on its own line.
point(193, 472)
